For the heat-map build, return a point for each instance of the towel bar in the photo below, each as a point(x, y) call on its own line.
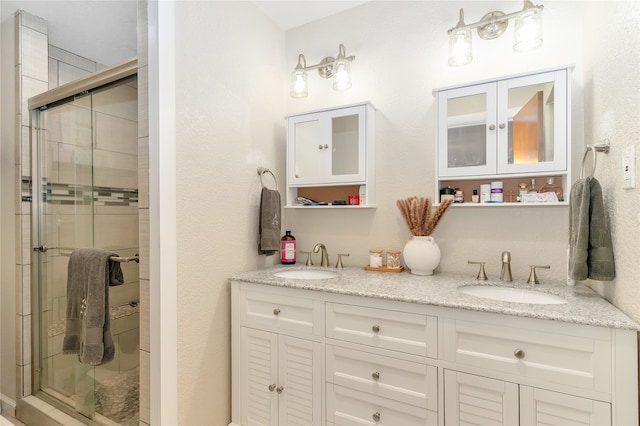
point(134, 258)
point(603, 147)
point(262, 171)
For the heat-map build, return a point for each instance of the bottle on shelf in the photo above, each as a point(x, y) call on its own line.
point(552, 187)
point(288, 249)
point(522, 191)
point(532, 188)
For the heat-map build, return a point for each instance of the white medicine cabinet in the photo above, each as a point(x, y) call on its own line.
point(330, 155)
point(514, 128)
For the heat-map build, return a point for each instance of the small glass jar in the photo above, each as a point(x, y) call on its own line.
point(375, 258)
point(393, 259)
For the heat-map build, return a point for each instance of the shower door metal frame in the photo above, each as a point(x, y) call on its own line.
point(70, 90)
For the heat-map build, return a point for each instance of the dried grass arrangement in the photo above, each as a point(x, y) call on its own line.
point(417, 213)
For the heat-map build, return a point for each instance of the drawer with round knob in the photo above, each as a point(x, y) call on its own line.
point(271, 309)
point(399, 331)
point(561, 353)
point(405, 381)
point(346, 406)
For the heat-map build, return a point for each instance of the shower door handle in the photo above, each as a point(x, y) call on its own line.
point(41, 248)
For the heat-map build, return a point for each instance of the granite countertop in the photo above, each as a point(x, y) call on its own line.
point(584, 306)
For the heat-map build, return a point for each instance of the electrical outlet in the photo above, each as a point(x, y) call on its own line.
point(629, 167)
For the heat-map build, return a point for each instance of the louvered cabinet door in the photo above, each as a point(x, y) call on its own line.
point(475, 400)
point(543, 407)
point(300, 381)
point(258, 377)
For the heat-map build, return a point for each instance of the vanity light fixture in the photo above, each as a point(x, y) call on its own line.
point(527, 35)
point(339, 68)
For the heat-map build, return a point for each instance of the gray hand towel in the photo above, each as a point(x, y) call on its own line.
point(87, 331)
point(600, 260)
point(269, 225)
point(579, 230)
point(590, 245)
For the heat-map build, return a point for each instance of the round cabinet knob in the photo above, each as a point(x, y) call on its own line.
point(279, 389)
point(492, 126)
point(272, 387)
point(375, 328)
point(326, 146)
point(519, 353)
point(375, 375)
point(320, 146)
point(276, 311)
point(376, 416)
point(502, 125)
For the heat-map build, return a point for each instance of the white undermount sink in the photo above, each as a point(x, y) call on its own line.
point(515, 295)
point(306, 274)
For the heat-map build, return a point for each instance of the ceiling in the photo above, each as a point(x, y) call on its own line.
point(105, 30)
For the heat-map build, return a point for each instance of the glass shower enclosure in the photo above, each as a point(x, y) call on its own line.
point(84, 186)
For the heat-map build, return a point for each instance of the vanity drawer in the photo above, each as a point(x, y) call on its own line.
point(404, 381)
point(276, 309)
point(567, 354)
point(399, 331)
point(346, 407)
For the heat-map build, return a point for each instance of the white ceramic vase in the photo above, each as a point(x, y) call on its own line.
point(421, 254)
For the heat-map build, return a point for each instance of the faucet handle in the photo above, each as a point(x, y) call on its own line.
point(481, 274)
point(533, 278)
point(309, 262)
point(339, 264)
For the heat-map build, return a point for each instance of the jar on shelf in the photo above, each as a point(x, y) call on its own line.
point(375, 258)
point(393, 259)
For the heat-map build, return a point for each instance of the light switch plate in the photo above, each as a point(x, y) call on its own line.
point(629, 167)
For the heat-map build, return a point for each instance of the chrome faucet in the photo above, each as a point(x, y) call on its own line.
point(325, 256)
point(505, 275)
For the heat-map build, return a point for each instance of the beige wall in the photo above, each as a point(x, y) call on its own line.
point(612, 110)
point(231, 84)
point(230, 91)
point(401, 56)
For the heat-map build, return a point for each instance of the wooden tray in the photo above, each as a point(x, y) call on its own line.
point(383, 269)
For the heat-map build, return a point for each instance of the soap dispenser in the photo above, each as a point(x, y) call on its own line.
point(288, 249)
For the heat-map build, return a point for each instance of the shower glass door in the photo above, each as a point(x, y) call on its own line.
point(85, 196)
point(64, 191)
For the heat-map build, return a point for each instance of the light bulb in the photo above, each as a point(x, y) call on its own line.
point(342, 74)
point(299, 86)
point(528, 30)
point(460, 47)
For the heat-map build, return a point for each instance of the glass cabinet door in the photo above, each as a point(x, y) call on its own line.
point(467, 131)
point(327, 147)
point(532, 123)
point(516, 125)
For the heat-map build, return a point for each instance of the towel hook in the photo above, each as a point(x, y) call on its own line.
point(603, 147)
point(262, 171)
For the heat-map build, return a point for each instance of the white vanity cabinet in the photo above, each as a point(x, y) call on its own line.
point(472, 399)
point(279, 371)
point(506, 128)
point(567, 369)
point(342, 359)
point(331, 149)
point(373, 383)
point(280, 379)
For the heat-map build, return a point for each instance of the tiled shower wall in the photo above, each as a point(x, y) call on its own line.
point(31, 75)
